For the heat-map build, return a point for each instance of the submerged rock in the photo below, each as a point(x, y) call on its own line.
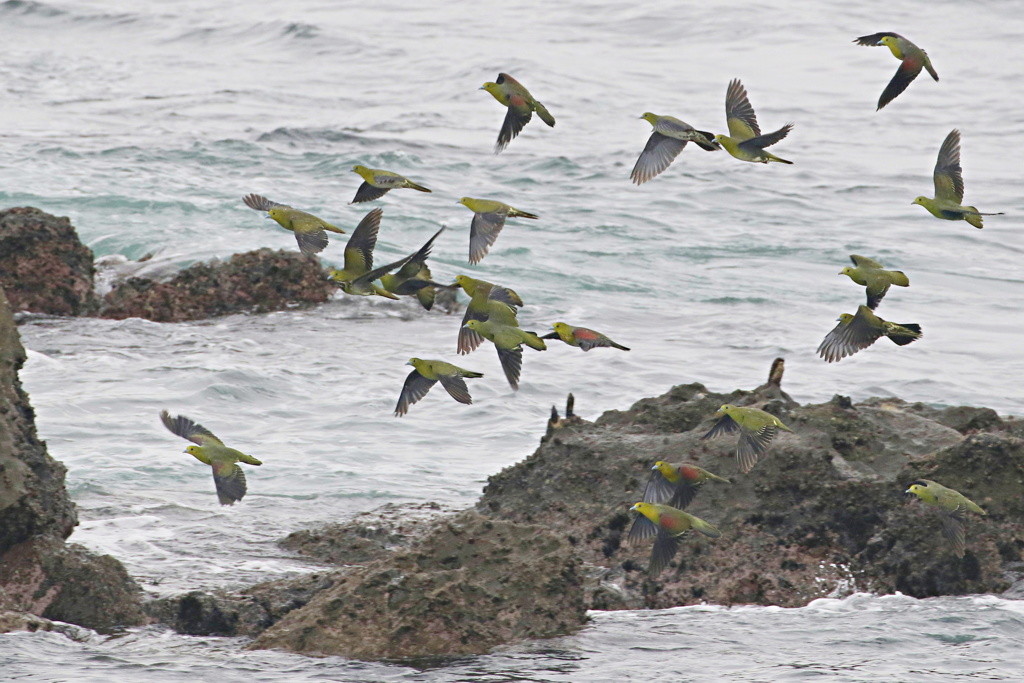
point(39, 573)
point(44, 267)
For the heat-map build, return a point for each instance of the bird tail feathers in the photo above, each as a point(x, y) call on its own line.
point(709, 143)
point(544, 115)
point(905, 333)
point(703, 527)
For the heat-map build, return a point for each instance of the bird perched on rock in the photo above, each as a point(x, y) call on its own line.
point(310, 231)
point(745, 141)
point(228, 477)
point(521, 106)
point(413, 278)
point(508, 340)
point(425, 374)
point(756, 427)
point(581, 337)
point(912, 60)
point(486, 300)
point(949, 186)
point(376, 183)
point(667, 525)
point(676, 485)
point(358, 275)
point(856, 332)
point(953, 504)
point(874, 278)
point(488, 220)
point(667, 140)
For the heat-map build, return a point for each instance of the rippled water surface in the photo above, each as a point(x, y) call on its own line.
point(145, 123)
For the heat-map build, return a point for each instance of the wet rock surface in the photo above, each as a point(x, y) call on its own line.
point(39, 573)
point(44, 267)
point(254, 282)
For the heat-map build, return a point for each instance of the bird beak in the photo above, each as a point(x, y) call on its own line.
point(654, 467)
point(268, 216)
point(481, 88)
point(634, 506)
point(839, 273)
point(408, 362)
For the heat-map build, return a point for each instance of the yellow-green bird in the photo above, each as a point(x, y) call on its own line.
point(508, 341)
point(428, 372)
point(581, 337)
point(912, 60)
point(668, 525)
point(676, 485)
point(953, 504)
point(949, 186)
point(414, 279)
point(488, 220)
point(859, 331)
point(756, 427)
point(745, 141)
point(521, 106)
point(228, 477)
point(667, 140)
point(487, 300)
point(358, 275)
point(874, 278)
point(310, 231)
point(376, 183)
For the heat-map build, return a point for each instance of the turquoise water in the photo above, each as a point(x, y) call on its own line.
point(146, 126)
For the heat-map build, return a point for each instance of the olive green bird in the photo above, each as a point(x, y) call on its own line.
point(676, 485)
point(487, 300)
point(581, 337)
point(425, 374)
point(358, 275)
point(949, 186)
point(667, 140)
point(521, 106)
point(508, 341)
point(756, 427)
point(859, 331)
point(376, 183)
point(912, 60)
point(413, 278)
point(874, 278)
point(310, 231)
point(228, 477)
point(488, 220)
point(745, 141)
point(954, 506)
point(668, 526)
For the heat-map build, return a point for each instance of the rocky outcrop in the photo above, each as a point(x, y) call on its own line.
point(44, 268)
point(472, 584)
point(39, 574)
point(254, 282)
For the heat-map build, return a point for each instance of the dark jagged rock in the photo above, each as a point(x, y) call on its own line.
point(254, 282)
point(44, 267)
point(39, 574)
point(822, 513)
point(472, 584)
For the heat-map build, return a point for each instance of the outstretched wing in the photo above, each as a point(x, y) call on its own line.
point(948, 176)
point(311, 243)
point(846, 339)
point(768, 139)
point(518, 116)
point(229, 479)
point(726, 425)
point(187, 429)
point(954, 528)
point(456, 388)
point(739, 113)
point(483, 231)
point(512, 364)
point(658, 489)
point(367, 193)
point(908, 70)
point(259, 202)
point(416, 387)
point(665, 547)
point(660, 151)
point(359, 250)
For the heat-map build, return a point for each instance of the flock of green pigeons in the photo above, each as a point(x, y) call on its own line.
point(492, 310)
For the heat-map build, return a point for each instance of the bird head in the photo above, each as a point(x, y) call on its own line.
point(465, 201)
point(335, 275)
point(726, 409)
point(359, 169)
point(461, 280)
point(275, 213)
point(473, 324)
point(845, 318)
point(194, 450)
point(560, 327)
point(719, 138)
point(665, 468)
point(649, 117)
point(920, 200)
point(916, 489)
point(847, 271)
point(492, 88)
point(888, 41)
point(415, 362)
point(640, 507)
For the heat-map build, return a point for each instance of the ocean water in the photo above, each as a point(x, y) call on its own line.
point(147, 123)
